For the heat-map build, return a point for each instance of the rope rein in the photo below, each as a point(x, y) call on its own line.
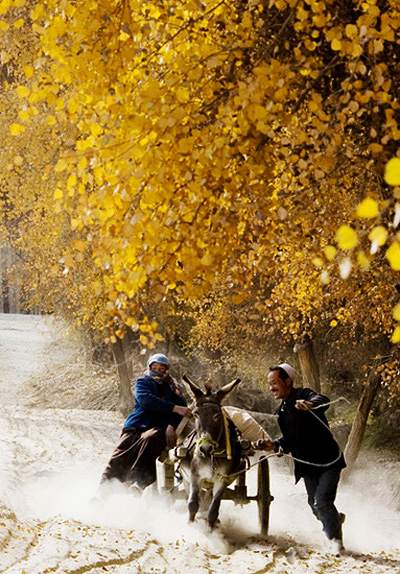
point(325, 405)
point(279, 454)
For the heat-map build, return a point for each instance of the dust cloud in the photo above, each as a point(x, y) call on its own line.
point(372, 510)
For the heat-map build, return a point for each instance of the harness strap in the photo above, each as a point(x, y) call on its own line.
point(227, 438)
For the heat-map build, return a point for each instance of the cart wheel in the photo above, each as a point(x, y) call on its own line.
point(264, 497)
point(165, 474)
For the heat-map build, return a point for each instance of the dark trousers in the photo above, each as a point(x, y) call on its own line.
point(134, 458)
point(321, 491)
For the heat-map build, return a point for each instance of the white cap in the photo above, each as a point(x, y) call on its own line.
point(289, 370)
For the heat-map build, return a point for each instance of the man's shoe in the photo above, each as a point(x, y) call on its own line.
point(342, 517)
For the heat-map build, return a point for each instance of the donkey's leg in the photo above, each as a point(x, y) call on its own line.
point(215, 504)
point(193, 504)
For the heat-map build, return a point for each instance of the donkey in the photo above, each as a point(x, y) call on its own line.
point(214, 453)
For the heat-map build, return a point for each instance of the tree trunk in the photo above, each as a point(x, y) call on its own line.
point(308, 365)
point(1, 279)
point(356, 435)
point(122, 358)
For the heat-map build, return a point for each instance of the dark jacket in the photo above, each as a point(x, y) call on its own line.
point(304, 435)
point(154, 402)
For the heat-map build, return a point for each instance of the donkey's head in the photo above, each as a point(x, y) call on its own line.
point(210, 427)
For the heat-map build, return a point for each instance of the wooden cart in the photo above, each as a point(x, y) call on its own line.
point(168, 482)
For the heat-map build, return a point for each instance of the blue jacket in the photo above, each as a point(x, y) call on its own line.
point(154, 402)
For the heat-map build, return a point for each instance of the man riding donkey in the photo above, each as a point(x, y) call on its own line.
point(150, 428)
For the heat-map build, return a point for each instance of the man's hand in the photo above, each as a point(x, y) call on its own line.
point(183, 411)
point(303, 405)
point(264, 444)
point(170, 436)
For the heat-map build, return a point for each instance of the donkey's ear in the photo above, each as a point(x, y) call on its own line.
point(193, 387)
point(226, 389)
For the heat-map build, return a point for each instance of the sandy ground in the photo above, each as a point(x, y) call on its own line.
point(51, 460)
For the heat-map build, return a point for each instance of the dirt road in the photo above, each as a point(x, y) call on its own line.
point(51, 460)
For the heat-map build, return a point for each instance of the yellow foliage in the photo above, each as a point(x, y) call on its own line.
point(396, 312)
point(392, 171)
point(393, 255)
point(396, 335)
point(16, 129)
point(194, 157)
point(378, 235)
point(23, 91)
point(346, 237)
point(336, 45)
point(330, 252)
point(368, 208)
point(363, 260)
point(79, 245)
point(61, 165)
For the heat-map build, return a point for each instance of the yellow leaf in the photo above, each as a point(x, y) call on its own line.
point(330, 252)
point(73, 106)
point(317, 261)
point(336, 45)
point(256, 112)
point(238, 298)
point(38, 11)
point(396, 312)
point(378, 235)
point(368, 208)
point(96, 129)
point(51, 121)
point(207, 260)
point(351, 31)
point(375, 147)
point(58, 194)
point(4, 26)
point(16, 129)
point(346, 237)
point(396, 335)
point(19, 23)
point(79, 245)
point(363, 260)
point(393, 256)
point(182, 95)
point(28, 71)
point(24, 115)
point(123, 36)
point(61, 165)
point(143, 339)
point(333, 323)
point(392, 171)
point(23, 91)
point(83, 163)
point(186, 145)
point(82, 145)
